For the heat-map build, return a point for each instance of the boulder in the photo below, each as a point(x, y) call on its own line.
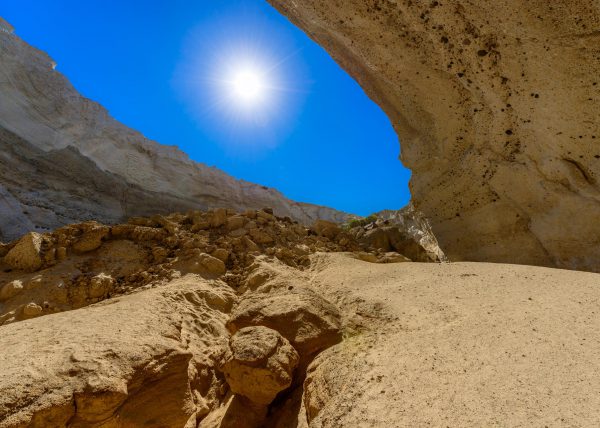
point(91, 239)
point(236, 222)
point(259, 364)
point(260, 236)
point(221, 254)
point(303, 317)
point(195, 261)
point(10, 289)
point(327, 229)
point(219, 217)
point(27, 254)
point(31, 310)
point(393, 238)
point(212, 264)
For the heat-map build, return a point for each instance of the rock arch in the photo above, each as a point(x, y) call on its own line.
point(497, 105)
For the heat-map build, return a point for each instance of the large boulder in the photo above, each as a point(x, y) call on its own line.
point(303, 317)
point(259, 364)
point(27, 254)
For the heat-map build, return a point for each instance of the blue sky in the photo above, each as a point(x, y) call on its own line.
point(159, 67)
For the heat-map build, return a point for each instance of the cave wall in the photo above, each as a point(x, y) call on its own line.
point(497, 106)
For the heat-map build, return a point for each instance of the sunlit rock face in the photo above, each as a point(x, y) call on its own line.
point(63, 159)
point(497, 106)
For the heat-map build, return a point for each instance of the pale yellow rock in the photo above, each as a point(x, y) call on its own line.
point(306, 319)
point(259, 364)
point(496, 104)
point(129, 361)
point(212, 264)
point(32, 310)
point(26, 255)
point(221, 254)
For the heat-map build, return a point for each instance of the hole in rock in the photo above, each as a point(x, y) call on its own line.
point(232, 84)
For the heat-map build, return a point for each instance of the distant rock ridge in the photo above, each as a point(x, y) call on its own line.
point(65, 159)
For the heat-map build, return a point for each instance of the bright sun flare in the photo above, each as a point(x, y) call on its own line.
point(248, 85)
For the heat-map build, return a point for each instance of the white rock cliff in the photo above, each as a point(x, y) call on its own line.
point(64, 159)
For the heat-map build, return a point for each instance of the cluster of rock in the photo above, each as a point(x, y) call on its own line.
point(81, 264)
point(196, 304)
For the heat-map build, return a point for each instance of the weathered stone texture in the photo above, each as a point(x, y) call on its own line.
point(496, 104)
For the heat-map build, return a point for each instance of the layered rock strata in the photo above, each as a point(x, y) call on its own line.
point(496, 104)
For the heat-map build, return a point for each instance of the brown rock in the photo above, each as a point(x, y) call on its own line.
point(221, 254)
point(236, 222)
point(100, 285)
point(219, 217)
point(212, 264)
point(32, 310)
point(259, 364)
point(91, 239)
point(26, 255)
point(259, 236)
point(327, 229)
point(10, 289)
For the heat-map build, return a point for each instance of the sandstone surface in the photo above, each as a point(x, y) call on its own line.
point(64, 159)
point(259, 364)
point(296, 332)
point(496, 104)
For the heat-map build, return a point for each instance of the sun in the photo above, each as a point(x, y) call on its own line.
point(248, 85)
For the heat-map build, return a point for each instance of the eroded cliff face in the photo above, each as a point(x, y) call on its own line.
point(497, 106)
point(64, 159)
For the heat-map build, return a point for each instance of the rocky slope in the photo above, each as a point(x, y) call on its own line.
point(246, 320)
point(496, 104)
point(64, 159)
point(163, 320)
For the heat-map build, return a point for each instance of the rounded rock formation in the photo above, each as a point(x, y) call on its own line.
point(26, 255)
point(259, 364)
point(303, 317)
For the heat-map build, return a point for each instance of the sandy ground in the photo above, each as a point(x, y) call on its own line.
point(457, 345)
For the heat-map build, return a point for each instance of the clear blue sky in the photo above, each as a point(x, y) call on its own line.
point(156, 65)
